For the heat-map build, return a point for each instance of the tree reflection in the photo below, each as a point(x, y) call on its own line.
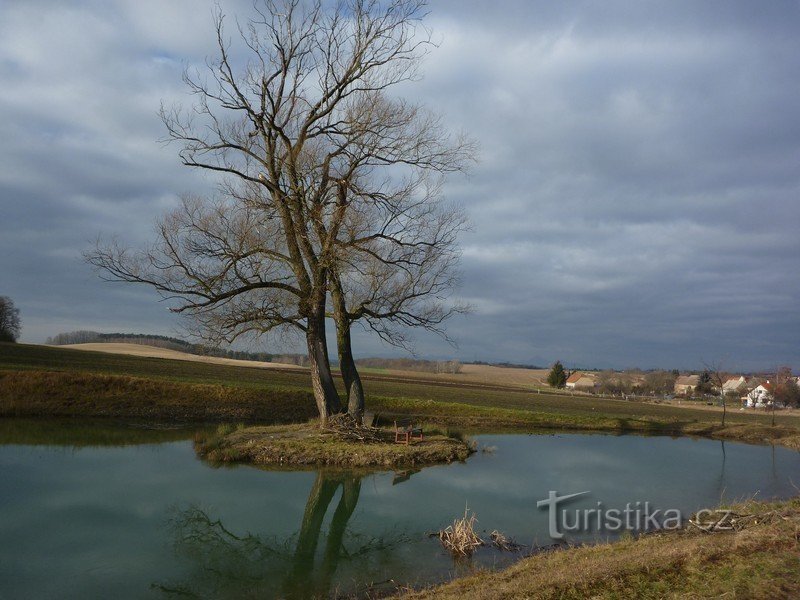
point(225, 564)
point(304, 579)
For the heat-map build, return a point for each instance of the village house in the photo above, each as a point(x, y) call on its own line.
point(686, 384)
point(734, 385)
point(581, 381)
point(759, 396)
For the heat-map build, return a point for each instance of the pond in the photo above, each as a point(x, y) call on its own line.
point(91, 511)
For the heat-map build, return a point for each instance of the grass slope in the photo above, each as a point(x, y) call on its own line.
point(760, 561)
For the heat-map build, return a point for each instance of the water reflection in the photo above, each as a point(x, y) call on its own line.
point(85, 514)
point(226, 564)
point(304, 580)
point(87, 433)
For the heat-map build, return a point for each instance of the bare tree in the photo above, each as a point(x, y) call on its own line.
point(304, 137)
point(718, 376)
point(10, 323)
point(786, 390)
point(782, 384)
point(397, 266)
point(659, 382)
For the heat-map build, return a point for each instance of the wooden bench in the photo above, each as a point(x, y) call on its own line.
point(405, 431)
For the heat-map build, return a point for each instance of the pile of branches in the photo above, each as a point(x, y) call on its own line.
point(720, 520)
point(346, 428)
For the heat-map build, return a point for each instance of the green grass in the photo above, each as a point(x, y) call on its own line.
point(44, 381)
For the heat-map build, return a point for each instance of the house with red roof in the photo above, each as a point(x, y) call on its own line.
point(581, 381)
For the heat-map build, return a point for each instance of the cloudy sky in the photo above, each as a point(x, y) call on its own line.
point(636, 202)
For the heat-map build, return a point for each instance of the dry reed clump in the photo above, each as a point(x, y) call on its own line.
point(501, 542)
point(460, 538)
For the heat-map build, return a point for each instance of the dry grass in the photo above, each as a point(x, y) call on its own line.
point(308, 445)
point(760, 560)
point(460, 538)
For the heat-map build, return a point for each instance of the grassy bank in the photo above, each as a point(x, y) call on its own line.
point(56, 382)
point(761, 560)
point(65, 394)
point(305, 445)
point(22, 357)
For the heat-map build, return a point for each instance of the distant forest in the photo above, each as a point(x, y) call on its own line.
point(506, 365)
point(171, 343)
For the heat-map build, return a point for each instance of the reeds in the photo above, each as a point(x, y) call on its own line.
point(501, 542)
point(460, 538)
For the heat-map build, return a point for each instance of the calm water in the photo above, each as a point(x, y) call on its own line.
point(149, 519)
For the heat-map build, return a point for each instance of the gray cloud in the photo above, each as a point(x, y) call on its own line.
point(636, 202)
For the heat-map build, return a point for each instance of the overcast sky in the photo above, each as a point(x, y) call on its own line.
point(636, 202)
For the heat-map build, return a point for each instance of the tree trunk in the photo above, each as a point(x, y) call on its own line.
point(325, 393)
point(347, 364)
point(724, 409)
point(350, 376)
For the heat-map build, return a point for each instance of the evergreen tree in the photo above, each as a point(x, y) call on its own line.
point(705, 385)
point(557, 377)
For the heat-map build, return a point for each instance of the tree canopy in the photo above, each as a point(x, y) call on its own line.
point(10, 323)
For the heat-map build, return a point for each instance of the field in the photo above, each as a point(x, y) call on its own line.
point(42, 380)
point(155, 352)
point(473, 374)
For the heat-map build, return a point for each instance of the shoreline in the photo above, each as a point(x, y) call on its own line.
point(759, 557)
point(59, 394)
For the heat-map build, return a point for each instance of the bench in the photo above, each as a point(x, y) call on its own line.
point(405, 431)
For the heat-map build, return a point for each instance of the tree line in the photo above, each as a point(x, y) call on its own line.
point(327, 202)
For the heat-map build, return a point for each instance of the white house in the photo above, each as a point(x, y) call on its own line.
point(759, 396)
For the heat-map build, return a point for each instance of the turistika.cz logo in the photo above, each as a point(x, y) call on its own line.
point(635, 517)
